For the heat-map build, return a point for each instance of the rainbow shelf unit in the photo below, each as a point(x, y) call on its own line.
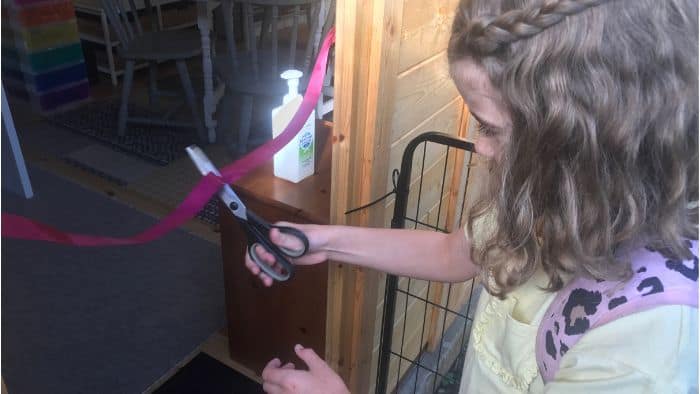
point(42, 58)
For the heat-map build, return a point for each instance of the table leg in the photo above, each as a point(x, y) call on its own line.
point(204, 17)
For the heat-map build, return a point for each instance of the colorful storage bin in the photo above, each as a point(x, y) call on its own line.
point(42, 54)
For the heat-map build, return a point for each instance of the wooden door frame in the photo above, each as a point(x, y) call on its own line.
point(367, 44)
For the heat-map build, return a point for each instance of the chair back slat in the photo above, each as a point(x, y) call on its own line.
point(124, 19)
point(251, 34)
point(273, 26)
point(227, 9)
point(112, 11)
point(314, 33)
point(295, 34)
point(317, 12)
point(134, 13)
point(264, 32)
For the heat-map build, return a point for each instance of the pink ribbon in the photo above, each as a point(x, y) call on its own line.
point(19, 227)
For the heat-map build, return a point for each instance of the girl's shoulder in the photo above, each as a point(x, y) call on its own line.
point(651, 351)
point(585, 304)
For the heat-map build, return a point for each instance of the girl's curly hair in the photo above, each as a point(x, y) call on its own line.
point(603, 155)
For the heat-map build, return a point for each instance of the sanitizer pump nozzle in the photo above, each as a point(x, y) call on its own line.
point(292, 77)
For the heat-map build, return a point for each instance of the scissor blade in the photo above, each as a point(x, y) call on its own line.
point(226, 194)
point(201, 161)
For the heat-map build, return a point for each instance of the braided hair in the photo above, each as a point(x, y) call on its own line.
point(489, 33)
point(603, 155)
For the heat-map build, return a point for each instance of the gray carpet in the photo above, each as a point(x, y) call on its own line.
point(101, 320)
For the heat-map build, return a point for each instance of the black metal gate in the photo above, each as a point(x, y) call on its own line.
point(435, 368)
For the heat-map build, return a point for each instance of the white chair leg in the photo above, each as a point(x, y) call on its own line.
point(319, 107)
point(227, 9)
point(126, 90)
point(189, 95)
point(245, 122)
point(225, 118)
point(153, 84)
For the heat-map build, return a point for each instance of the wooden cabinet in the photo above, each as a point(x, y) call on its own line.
point(264, 323)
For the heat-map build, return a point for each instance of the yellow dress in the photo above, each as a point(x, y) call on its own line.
point(654, 351)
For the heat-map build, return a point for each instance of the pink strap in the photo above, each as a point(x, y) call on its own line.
point(14, 226)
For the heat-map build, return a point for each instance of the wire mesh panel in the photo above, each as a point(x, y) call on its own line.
point(425, 325)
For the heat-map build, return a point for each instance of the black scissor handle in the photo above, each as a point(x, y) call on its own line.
point(259, 234)
point(280, 260)
point(296, 234)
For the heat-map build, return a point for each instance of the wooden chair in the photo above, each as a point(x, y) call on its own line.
point(324, 105)
point(137, 45)
point(254, 71)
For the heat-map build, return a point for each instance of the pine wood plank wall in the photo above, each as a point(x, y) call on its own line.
point(392, 84)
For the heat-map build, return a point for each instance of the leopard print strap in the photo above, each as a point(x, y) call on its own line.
point(585, 303)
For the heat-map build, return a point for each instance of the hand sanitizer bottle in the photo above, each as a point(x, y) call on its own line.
point(296, 160)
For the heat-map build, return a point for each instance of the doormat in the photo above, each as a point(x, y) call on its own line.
point(158, 144)
point(125, 170)
point(205, 374)
point(210, 213)
point(110, 164)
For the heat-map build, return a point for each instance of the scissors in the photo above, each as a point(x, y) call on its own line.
point(256, 228)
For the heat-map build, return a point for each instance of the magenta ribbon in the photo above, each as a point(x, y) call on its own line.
point(19, 227)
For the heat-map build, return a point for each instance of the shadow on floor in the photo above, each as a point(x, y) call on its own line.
point(206, 375)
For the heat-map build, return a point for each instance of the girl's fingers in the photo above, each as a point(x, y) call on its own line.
point(285, 240)
point(309, 356)
point(252, 267)
point(264, 255)
point(271, 388)
point(255, 270)
point(265, 258)
point(266, 280)
point(274, 363)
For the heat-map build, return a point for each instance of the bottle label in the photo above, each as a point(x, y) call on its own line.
point(306, 148)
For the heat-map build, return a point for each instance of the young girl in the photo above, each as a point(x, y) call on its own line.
point(589, 116)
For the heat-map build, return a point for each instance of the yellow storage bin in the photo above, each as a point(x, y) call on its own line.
point(50, 36)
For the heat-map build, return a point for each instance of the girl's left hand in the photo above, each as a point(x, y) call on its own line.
point(285, 379)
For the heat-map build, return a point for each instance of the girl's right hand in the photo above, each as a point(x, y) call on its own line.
point(317, 236)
